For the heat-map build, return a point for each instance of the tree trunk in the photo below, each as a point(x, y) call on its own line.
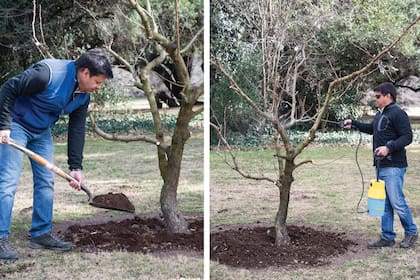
point(285, 183)
point(168, 197)
point(174, 219)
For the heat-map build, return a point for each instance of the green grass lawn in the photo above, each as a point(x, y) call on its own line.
point(324, 193)
point(130, 168)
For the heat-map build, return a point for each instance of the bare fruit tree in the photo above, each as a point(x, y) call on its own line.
point(283, 106)
point(169, 152)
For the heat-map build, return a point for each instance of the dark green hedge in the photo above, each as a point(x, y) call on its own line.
point(127, 124)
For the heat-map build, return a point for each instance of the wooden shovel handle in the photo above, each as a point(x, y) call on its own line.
point(49, 165)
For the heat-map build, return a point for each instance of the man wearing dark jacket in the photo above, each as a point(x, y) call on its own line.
point(30, 104)
point(391, 131)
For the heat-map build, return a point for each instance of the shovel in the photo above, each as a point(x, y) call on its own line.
point(113, 201)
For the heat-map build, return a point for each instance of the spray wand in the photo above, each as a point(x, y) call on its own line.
point(376, 191)
point(342, 124)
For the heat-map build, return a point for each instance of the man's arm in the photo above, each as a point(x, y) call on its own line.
point(33, 80)
point(76, 137)
point(362, 127)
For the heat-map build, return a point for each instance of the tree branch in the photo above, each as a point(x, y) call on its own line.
point(189, 45)
point(234, 165)
point(302, 163)
point(242, 94)
point(338, 81)
point(40, 46)
point(124, 138)
point(122, 60)
point(151, 31)
point(178, 44)
point(155, 62)
point(144, 17)
point(198, 111)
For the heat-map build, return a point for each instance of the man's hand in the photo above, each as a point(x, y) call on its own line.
point(76, 174)
point(347, 124)
point(4, 136)
point(382, 151)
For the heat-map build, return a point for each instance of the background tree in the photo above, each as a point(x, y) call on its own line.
point(339, 37)
point(294, 89)
point(71, 27)
point(140, 38)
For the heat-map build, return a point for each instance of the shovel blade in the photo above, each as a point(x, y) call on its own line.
point(114, 201)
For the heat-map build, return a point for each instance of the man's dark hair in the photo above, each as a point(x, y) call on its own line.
point(96, 61)
point(385, 88)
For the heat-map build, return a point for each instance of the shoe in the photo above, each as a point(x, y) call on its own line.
point(409, 241)
point(381, 243)
point(49, 241)
point(7, 252)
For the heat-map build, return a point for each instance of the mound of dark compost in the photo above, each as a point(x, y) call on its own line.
point(253, 247)
point(145, 235)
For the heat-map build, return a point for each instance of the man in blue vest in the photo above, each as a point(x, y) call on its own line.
point(30, 104)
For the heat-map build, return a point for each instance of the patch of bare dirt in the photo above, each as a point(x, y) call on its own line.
point(248, 246)
point(252, 247)
point(132, 233)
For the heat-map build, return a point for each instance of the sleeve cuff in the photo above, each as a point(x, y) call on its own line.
point(75, 169)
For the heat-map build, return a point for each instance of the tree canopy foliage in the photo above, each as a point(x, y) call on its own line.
point(70, 27)
point(338, 37)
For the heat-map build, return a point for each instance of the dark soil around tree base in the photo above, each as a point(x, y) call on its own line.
point(248, 246)
point(134, 233)
point(252, 247)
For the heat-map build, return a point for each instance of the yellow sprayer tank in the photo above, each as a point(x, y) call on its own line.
point(376, 198)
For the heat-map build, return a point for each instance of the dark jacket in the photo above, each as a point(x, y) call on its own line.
point(37, 97)
point(390, 128)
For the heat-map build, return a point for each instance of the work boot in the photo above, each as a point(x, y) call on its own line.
point(7, 252)
point(49, 241)
point(409, 241)
point(381, 243)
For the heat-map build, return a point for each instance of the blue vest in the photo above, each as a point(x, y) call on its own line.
point(41, 110)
